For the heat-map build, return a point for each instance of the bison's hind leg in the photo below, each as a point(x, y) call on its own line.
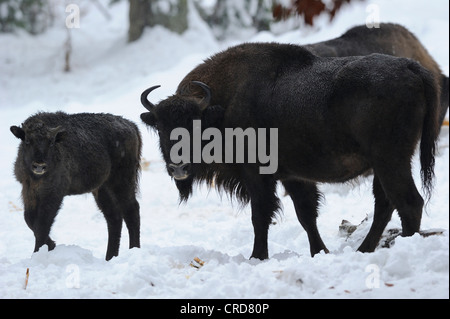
point(400, 193)
point(117, 200)
point(130, 210)
point(382, 215)
point(403, 193)
point(109, 205)
point(126, 183)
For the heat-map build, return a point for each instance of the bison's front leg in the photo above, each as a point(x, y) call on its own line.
point(40, 220)
point(264, 203)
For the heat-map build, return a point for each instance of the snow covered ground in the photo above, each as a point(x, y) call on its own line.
point(108, 75)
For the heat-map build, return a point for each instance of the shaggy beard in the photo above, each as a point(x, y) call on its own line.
point(184, 188)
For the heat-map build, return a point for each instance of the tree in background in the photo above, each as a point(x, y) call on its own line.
point(171, 14)
point(32, 15)
point(225, 17)
point(230, 17)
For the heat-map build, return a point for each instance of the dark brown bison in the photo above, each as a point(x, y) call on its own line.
point(335, 118)
point(389, 38)
point(62, 154)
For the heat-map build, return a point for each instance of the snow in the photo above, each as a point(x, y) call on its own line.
point(108, 75)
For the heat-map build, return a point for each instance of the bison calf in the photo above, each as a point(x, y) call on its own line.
point(62, 154)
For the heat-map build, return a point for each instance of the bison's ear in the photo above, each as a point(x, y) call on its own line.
point(60, 135)
point(18, 132)
point(213, 115)
point(57, 134)
point(149, 118)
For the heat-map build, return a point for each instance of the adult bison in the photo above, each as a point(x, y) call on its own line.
point(337, 118)
point(389, 38)
point(62, 154)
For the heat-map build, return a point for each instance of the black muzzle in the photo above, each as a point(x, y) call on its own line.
point(39, 168)
point(179, 171)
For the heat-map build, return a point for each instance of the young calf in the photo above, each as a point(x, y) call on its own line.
point(62, 154)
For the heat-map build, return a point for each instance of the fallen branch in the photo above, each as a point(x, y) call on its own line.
point(388, 238)
point(27, 275)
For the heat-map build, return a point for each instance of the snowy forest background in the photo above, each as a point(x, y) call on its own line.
point(225, 17)
point(98, 56)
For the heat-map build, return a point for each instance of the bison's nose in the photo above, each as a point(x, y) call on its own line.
point(179, 171)
point(39, 168)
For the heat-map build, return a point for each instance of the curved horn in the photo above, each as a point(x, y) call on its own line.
point(145, 102)
point(207, 90)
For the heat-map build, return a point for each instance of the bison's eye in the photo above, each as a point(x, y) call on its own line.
point(27, 141)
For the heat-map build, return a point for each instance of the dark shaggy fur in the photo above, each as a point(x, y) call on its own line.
point(62, 154)
point(337, 118)
point(389, 38)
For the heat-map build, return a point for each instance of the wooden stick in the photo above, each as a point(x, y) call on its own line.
point(27, 275)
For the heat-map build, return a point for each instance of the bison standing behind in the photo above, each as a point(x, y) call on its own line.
point(389, 38)
point(337, 118)
point(62, 154)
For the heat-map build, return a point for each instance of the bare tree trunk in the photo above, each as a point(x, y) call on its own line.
point(174, 20)
point(68, 51)
point(139, 11)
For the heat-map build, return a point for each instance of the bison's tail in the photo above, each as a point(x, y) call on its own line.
point(138, 155)
point(430, 130)
point(444, 98)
